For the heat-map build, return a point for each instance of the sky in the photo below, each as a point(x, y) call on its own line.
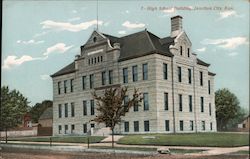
point(41, 37)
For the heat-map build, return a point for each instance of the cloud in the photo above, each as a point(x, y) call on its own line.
point(74, 11)
point(122, 32)
point(74, 19)
point(60, 26)
point(44, 77)
point(169, 10)
point(13, 60)
point(59, 47)
point(201, 49)
point(106, 24)
point(233, 54)
point(226, 14)
point(29, 42)
point(40, 34)
point(230, 43)
point(130, 25)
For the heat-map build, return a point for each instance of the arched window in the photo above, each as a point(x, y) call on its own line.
point(181, 50)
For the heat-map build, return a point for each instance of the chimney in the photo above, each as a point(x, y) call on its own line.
point(176, 25)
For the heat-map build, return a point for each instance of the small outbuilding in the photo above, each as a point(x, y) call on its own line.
point(45, 123)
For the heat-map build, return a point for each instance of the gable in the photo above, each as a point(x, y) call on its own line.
point(95, 38)
point(183, 38)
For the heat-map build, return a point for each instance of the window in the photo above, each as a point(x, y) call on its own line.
point(165, 71)
point(190, 101)
point(210, 109)
point(145, 71)
point(211, 126)
point(188, 52)
point(110, 76)
point(136, 107)
point(66, 129)
point(91, 81)
point(134, 73)
point(209, 88)
point(180, 102)
point(136, 126)
point(94, 39)
point(72, 129)
point(84, 107)
point(59, 87)
point(203, 125)
point(65, 86)
point(92, 107)
point(126, 126)
point(59, 129)
point(202, 104)
point(167, 125)
point(59, 110)
point(181, 125)
point(89, 61)
point(98, 59)
point(201, 78)
point(95, 60)
point(101, 58)
point(125, 104)
point(92, 125)
point(72, 109)
point(103, 78)
point(72, 85)
point(189, 76)
point(66, 110)
point(191, 125)
point(181, 50)
point(179, 74)
point(84, 128)
point(146, 125)
point(166, 101)
point(125, 75)
point(92, 60)
point(83, 82)
point(145, 101)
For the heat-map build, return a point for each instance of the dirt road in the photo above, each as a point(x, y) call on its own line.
point(41, 154)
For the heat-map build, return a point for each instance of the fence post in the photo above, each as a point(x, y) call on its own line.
point(50, 141)
point(88, 142)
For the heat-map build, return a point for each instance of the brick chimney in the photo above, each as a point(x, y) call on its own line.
point(176, 25)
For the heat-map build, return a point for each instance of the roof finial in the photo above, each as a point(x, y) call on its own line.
point(97, 14)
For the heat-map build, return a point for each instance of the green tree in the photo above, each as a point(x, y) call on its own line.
point(13, 106)
point(112, 106)
point(37, 110)
point(227, 107)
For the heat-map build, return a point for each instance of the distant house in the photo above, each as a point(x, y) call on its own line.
point(244, 125)
point(45, 123)
point(27, 121)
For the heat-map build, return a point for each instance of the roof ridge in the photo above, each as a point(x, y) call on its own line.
point(151, 42)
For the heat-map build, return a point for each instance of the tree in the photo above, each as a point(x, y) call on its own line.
point(113, 105)
point(239, 117)
point(37, 110)
point(13, 106)
point(227, 107)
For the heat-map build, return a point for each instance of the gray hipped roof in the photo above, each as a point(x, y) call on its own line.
point(135, 45)
point(47, 114)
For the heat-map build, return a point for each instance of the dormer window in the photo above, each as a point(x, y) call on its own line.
point(94, 39)
point(188, 52)
point(181, 50)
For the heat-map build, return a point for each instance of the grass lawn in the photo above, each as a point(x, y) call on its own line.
point(67, 139)
point(243, 152)
point(183, 151)
point(199, 139)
